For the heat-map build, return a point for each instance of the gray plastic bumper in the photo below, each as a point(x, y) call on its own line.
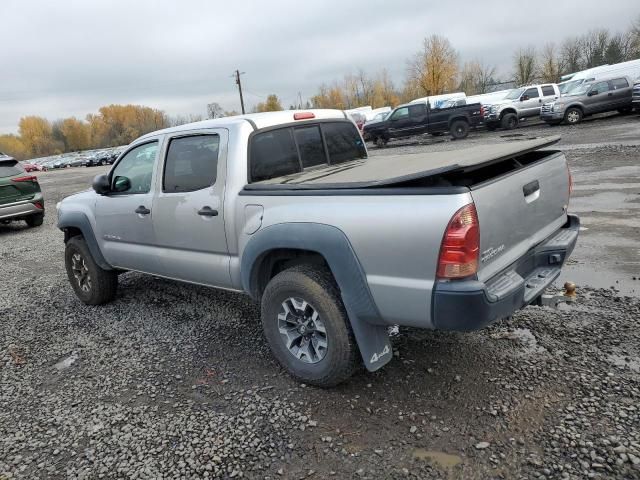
point(470, 304)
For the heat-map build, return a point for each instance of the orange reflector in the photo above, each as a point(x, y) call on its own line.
point(303, 115)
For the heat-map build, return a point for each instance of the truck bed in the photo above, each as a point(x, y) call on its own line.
point(384, 171)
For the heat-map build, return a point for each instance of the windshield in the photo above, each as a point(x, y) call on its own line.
point(578, 89)
point(570, 85)
point(513, 94)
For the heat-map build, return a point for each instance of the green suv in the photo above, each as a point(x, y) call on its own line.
point(20, 195)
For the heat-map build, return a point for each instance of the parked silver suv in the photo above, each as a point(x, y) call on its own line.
point(520, 103)
point(588, 98)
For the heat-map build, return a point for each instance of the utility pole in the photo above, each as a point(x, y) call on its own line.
point(237, 74)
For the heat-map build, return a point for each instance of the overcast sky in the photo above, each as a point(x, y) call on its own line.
point(69, 57)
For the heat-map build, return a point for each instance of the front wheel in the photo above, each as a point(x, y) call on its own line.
point(92, 284)
point(459, 129)
point(573, 116)
point(381, 142)
point(509, 121)
point(307, 327)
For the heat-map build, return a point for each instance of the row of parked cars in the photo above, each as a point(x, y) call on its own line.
point(602, 89)
point(92, 158)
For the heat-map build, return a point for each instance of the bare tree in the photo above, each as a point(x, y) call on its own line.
point(525, 66)
point(214, 110)
point(571, 55)
point(594, 45)
point(550, 64)
point(476, 77)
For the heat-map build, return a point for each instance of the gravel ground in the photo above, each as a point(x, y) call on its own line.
point(175, 381)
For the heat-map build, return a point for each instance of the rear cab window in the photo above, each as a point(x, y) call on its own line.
point(290, 149)
point(618, 83)
point(548, 91)
point(9, 168)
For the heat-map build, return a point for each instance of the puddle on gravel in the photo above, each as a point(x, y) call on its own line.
point(441, 459)
point(624, 361)
point(66, 362)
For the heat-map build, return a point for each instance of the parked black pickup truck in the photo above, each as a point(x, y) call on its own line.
point(418, 118)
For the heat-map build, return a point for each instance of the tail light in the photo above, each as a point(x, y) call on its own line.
point(30, 178)
point(38, 205)
point(482, 111)
point(460, 247)
point(570, 180)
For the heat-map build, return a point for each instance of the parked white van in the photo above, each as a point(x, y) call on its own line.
point(624, 69)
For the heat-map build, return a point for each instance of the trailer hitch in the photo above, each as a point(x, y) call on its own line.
point(569, 295)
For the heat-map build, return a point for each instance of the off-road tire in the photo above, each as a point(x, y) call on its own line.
point(317, 287)
point(380, 142)
point(459, 129)
point(509, 121)
point(35, 220)
point(103, 283)
point(573, 116)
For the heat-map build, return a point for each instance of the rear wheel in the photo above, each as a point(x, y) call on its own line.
point(35, 220)
point(92, 284)
point(573, 116)
point(509, 121)
point(459, 129)
point(307, 328)
point(381, 142)
point(625, 110)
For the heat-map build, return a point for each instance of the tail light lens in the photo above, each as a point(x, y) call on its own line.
point(460, 247)
point(303, 115)
point(38, 205)
point(481, 111)
point(30, 178)
point(570, 180)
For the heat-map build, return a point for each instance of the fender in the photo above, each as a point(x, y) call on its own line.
point(80, 221)
point(330, 242)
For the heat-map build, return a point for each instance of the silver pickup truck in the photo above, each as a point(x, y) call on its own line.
point(287, 208)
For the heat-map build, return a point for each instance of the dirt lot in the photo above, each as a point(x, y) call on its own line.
point(173, 381)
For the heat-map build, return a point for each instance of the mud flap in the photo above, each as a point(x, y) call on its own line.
point(373, 342)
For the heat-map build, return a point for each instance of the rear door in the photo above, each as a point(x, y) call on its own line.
point(438, 119)
point(519, 210)
point(188, 220)
point(16, 185)
point(549, 93)
point(620, 91)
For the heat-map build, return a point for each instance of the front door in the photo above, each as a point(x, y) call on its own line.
point(188, 208)
point(598, 97)
point(530, 103)
point(620, 92)
point(124, 216)
point(400, 122)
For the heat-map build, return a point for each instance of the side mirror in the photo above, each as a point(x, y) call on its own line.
point(524, 98)
point(121, 184)
point(101, 184)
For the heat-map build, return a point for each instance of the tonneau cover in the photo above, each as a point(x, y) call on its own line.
point(385, 170)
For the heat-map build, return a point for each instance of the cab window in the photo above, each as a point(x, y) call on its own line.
point(600, 87)
point(191, 164)
point(400, 113)
point(134, 171)
point(618, 83)
point(530, 93)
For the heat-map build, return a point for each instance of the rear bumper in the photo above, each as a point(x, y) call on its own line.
point(21, 209)
point(471, 304)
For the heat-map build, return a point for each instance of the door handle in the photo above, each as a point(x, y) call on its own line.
point(609, 94)
point(142, 210)
point(208, 212)
point(530, 188)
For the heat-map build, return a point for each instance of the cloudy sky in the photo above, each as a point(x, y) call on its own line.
point(69, 57)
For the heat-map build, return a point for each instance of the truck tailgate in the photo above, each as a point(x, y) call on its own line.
point(519, 210)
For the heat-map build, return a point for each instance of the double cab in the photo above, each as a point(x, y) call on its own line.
point(287, 208)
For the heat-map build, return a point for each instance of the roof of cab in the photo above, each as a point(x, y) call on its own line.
point(260, 120)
